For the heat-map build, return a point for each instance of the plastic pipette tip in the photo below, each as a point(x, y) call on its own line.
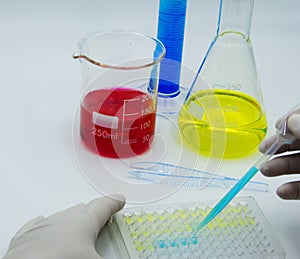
point(283, 138)
point(203, 223)
point(229, 196)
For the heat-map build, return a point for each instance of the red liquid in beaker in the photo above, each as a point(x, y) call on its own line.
point(117, 122)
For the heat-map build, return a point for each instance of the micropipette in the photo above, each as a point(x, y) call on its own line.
point(283, 136)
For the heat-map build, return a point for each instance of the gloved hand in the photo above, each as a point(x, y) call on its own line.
point(287, 163)
point(69, 234)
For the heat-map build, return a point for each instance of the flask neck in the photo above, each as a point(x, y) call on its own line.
point(235, 17)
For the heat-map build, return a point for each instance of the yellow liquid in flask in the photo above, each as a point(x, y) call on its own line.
point(222, 123)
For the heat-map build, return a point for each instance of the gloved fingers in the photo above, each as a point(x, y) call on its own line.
point(104, 207)
point(69, 211)
point(266, 143)
point(294, 127)
point(65, 214)
point(28, 226)
point(70, 233)
point(289, 191)
point(294, 124)
point(282, 118)
point(288, 164)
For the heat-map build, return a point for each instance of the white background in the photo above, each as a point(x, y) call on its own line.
point(40, 85)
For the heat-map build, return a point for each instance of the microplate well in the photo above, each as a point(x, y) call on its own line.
point(166, 231)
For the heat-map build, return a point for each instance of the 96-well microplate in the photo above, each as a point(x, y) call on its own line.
point(239, 231)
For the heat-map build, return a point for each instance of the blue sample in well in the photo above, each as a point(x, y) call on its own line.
point(166, 231)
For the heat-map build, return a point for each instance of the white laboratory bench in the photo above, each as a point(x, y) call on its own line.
point(41, 82)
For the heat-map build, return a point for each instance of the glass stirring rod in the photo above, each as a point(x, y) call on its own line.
point(283, 136)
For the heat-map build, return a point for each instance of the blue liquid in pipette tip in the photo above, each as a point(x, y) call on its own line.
point(227, 198)
point(171, 24)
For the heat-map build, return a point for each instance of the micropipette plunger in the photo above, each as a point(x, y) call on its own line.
point(283, 136)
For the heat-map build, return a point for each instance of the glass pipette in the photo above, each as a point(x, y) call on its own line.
point(283, 136)
point(166, 173)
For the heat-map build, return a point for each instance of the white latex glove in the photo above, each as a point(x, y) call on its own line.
point(69, 234)
point(287, 163)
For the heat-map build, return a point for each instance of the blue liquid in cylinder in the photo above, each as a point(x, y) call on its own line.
point(171, 24)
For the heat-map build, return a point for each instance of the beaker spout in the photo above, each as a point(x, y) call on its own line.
point(77, 54)
point(81, 51)
point(78, 51)
point(81, 57)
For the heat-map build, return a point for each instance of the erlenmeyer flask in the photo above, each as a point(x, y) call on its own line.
point(230, 70)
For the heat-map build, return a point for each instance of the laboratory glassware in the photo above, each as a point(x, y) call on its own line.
point(170, 31)
point(166, 173)
point(118, 106)
point(228, 118)
point(283, 137)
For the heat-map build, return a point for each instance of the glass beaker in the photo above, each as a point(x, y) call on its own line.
point(119, 92)
point(230, 70)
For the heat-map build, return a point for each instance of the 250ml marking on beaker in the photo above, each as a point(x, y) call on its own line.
point(105, 121)
point(112, 123)
point(104, 134)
